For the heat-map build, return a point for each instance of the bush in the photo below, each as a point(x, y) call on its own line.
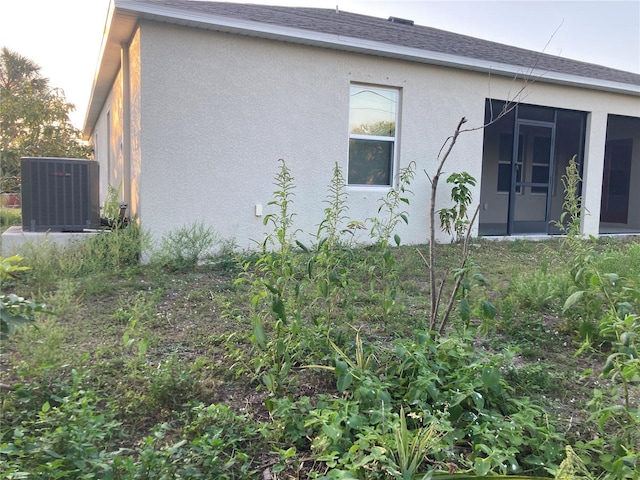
point(184, 247)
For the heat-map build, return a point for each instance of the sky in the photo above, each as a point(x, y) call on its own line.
point(64, 37)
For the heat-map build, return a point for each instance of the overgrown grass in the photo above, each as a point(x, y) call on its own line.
point(9, 217)
point(197, 354)
point(95, 260)
point(310, 361)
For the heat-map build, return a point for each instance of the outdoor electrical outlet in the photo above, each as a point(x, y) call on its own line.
point(258, 210)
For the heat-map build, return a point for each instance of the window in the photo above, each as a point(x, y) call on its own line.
point(373, 115)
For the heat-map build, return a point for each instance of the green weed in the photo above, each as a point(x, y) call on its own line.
point(9, 217)
point(15, 311)
point(69, 438)
point(606, 305)
point(104, 253)
point(183, 248)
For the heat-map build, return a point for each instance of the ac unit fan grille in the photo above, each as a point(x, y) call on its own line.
point(59, 194)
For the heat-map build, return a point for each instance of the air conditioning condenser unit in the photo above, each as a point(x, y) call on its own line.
point(60, 194)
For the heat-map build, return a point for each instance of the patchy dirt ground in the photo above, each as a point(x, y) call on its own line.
point(198, 323)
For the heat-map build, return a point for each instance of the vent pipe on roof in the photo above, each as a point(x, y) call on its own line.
point(337, 9)
point(403, 21)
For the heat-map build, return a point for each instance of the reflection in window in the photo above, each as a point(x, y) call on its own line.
point(373, 113)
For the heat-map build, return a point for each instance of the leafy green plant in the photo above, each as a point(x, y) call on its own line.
point(73, 438)
point(9, 267)
point(112, 206)
point(447, 375)
point(328, 268)
point(607, 306)
point(210, 444)
point(570, 218)
point(42, 348)
point(136, 313)
point(623, 363)
point(412, 448)
point(390, 213)
point(455, 219)
point(537, 290)
point(114, 251)
point(288, 421)
point(360, 367)
point(384, 227)
point(616, 413)
point(172, 385)
point(281, 221)
point(271, 277)
point(98, 254)
point(16, 311)
point(346, 437)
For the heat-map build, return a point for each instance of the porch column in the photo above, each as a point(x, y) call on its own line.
point(592, 171)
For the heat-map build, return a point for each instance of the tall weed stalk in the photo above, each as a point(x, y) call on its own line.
point(274, 294)
point(391, 213)
point(329, 270)
point(607, 305)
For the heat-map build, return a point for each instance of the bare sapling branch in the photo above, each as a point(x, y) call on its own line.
point(463, 228)
point(432, 215)
point(438, 323)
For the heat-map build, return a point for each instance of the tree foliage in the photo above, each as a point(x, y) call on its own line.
point(34, 118)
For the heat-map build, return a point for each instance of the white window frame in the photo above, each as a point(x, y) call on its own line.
point(394, 140)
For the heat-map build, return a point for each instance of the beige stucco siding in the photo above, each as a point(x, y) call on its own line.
point(212, 113)
point(135, 100)
point(108, 141)
point(218, 112)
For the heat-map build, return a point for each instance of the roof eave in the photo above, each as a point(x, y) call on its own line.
point(118, 29)
point(124, 15)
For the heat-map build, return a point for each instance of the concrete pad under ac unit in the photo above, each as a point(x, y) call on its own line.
point(14, 238)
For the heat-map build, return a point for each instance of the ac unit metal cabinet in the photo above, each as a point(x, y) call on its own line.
point(59, 194)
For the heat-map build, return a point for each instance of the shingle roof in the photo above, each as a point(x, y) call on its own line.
point(329, 21)
point(345, 31)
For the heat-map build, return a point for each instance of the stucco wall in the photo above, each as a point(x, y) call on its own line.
point(135, 125)
point(108, 145)
point(218, 112)
point(212, 113)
